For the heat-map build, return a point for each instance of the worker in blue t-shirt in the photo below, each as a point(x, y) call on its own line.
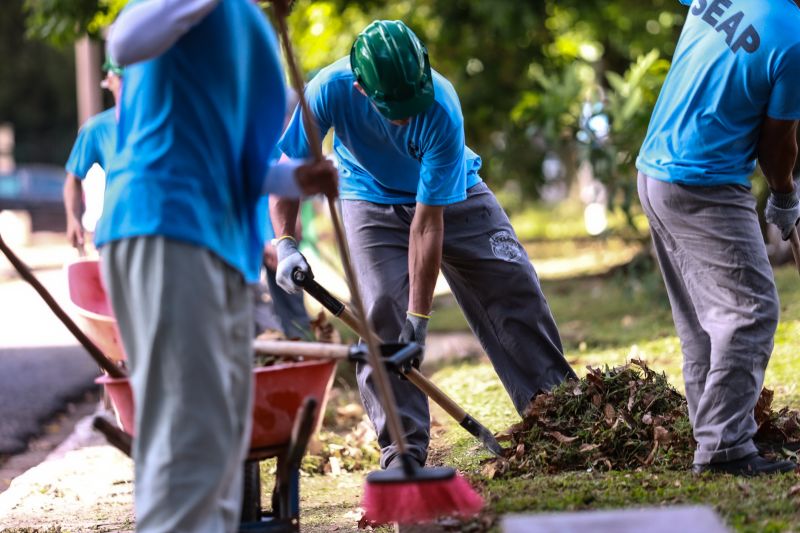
point(412, 202)
point(181, 240)
point(96, 143)
point(731, 99)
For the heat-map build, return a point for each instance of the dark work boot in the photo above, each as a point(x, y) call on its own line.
point(751, 465)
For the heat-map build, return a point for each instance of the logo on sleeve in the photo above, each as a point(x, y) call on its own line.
point(414, 151)
point(717, 15)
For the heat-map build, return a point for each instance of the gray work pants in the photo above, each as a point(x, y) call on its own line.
point(724, 305)
point(491, 278)
point(185, 319)
point(289, 308)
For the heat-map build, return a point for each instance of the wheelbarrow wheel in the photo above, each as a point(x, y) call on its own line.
point(251, 497)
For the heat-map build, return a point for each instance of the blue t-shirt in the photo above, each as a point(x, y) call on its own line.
point(197, 126)
point(96, 143)
point(737, 61)
point(423, 161)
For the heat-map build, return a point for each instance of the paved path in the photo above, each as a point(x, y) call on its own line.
point(41, 366)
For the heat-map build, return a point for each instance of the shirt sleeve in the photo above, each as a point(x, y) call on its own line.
point(784, 102)
point(280, 179)
point(294, 142)
point(84, 154)
point(149, 28)
point(443, 173)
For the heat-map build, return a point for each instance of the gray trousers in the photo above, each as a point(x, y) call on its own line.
point(494, 283)
point(724, 304)
point(289, 308)
point(185, 319)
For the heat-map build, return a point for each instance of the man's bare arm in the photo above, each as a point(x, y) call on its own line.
point(424, 256)
point(283, 213)
point(73, 206)
point(777, 153)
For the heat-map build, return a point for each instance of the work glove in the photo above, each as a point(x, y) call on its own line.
point(289, 259)
point(783, 210)
point(415, 329)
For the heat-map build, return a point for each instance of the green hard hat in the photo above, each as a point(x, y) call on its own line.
point(391, 65)
point(111, 66)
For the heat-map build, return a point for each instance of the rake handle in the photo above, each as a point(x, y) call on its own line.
point(340, 311)
point(794, 240)
point(312, 350)
point(417, 378)
point(381, 375)
point(99, 357)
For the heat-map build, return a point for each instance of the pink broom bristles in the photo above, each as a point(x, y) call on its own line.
point(415, 501)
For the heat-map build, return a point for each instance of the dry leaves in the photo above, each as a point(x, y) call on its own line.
point(614, 418)
point(618, 418)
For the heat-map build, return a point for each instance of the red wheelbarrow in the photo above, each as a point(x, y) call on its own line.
point(289, 400)
point(287, 411)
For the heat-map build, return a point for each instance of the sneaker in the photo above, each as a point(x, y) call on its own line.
point(397, 462)
point(751, 465)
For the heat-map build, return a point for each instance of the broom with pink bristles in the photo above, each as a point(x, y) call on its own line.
point(409, 494)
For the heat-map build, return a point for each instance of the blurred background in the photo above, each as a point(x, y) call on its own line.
point(556, 95)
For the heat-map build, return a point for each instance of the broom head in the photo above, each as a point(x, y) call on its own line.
point(412, 495)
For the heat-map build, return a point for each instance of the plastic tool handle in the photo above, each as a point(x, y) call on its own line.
point(95, 352)
point(794, 239)
point(328, 300)
point(317, 291)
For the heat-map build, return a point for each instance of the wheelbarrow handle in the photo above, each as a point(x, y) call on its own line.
point(341, 311)
point(95, 352)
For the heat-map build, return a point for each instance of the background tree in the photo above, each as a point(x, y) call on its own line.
point(529, 74)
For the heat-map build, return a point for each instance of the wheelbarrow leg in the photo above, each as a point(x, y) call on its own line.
point(251, 495)
point(286, 498)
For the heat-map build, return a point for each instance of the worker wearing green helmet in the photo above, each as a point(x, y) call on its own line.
point(412, 203)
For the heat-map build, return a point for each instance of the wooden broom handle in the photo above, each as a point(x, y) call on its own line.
point(99, 357)
point(794, 240)
point(381, 375)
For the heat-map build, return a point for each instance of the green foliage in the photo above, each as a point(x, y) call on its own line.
point(628, 104)
point(524, 71)
point(37, 91)
point(61, 22)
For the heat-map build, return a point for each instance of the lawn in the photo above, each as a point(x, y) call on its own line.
point(604, 320)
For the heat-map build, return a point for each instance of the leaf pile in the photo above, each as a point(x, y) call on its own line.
point(614, 418)
point(777, 430)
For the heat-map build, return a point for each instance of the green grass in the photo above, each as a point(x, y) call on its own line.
point(752, 505)
point(564, 221)
point(603, 320)
point(607, 321)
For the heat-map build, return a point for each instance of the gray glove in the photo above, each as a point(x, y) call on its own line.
point(289, 259)
point(414, 330)
point(783, 210)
